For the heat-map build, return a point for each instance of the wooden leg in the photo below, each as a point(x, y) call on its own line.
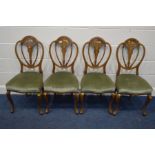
point(40, 103)
point(130, 97)
point(81, 103)
point(76, 101)
point(110, 109)
point(12, 108)
point(118, 96)
point(144, 109)
point(47, 103)
point(100, 95)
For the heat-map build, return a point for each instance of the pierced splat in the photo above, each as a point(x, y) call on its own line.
point(66, 46)
point(30, 43)
point(99, 46)
point(132, 47)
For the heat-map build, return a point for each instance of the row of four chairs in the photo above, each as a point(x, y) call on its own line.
point(63, 53)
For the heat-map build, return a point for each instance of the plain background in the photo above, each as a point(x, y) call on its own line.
point(77, 13)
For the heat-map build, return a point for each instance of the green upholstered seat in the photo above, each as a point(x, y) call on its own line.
point(97, 83)
point(26, 82)
point(61, 82)
point(132, 84)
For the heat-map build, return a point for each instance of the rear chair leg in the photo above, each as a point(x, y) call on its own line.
point(144, 109)
point(12, 108)
point(40, 103)
point(118, 97)
point(76, 100)
point(110, 108)
point(130, 97)
point(81, 103)
point(47, 101)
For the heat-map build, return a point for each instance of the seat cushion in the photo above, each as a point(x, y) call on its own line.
point(97, 83)
point(26, 82)
point(61, 82)
point(132, 84)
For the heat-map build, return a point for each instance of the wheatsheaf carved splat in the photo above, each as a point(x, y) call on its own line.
point(65, 51)
point(25, 55)
point(132, 52)
point(96, 61)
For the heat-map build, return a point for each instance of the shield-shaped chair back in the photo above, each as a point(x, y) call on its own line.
point(29, 52)
point(130, 55)
point(96, 54)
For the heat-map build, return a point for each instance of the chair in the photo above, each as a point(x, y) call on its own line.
point(29, 52)
point(63, 53)
point(96, 54)
point(130, 55)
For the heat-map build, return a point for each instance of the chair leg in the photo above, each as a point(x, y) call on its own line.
point(117, 98)
point(110, 108)
point(12, 108)
point(47, 102)
point(82, 103)
point(130, 97)
point(40, 103)
point(144, 109)
point(100, 95)
point(76, 101)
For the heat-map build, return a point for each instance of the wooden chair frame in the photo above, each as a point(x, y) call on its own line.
point(96, 43)
point(29, 42)
point(64, 43)
point(130, 44)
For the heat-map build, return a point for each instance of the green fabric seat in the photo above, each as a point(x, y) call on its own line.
point(26, 82)
point(61, 82)
point(97, 83)
point(132, 84)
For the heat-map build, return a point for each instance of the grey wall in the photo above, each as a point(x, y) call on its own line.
point(9, 65)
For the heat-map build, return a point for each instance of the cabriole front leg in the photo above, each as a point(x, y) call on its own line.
point(12, 108)
point(147, 102)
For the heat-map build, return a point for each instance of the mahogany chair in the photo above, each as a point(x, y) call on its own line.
point(130, 55)
point(63, 53)
point(29, 52)
point(96, 54)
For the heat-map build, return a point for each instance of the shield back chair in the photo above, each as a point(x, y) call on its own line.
point(96, 54)
point(130, 55)
point(63, 53)
point(29, 52)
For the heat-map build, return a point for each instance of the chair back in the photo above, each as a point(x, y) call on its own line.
point(130, 55)
point(96, 54)
point(30, 53)
point(63, 53)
